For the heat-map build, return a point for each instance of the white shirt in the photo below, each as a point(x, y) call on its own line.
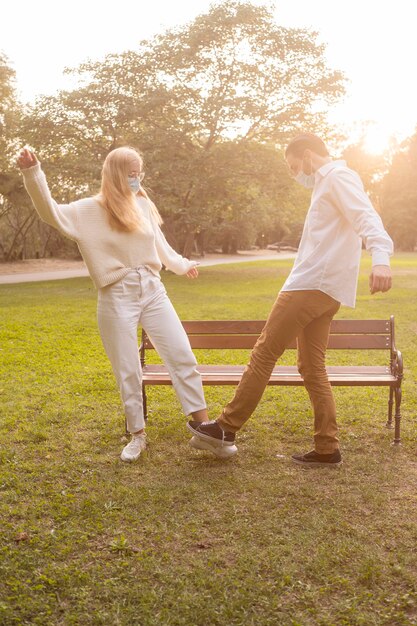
point(339, 218)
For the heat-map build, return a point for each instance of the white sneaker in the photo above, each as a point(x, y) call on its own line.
point(223, 452)
point(132, 451)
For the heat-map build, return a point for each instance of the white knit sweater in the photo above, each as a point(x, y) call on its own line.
point(108, 254)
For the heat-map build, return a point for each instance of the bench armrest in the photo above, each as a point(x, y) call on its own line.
point(397, 365)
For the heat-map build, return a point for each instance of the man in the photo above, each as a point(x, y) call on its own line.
point(324, 276)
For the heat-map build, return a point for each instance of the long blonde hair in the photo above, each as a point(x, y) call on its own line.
point(117, 197)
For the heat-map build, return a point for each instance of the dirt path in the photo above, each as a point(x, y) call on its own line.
point(54, 269)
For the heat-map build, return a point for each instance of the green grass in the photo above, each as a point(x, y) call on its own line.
point(181, 538)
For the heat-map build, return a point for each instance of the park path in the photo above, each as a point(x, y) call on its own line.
point(56, 269)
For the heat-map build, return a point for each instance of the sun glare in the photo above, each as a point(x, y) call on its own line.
point(377, 139)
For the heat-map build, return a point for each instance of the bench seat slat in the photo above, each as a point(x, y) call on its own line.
point(282, 375)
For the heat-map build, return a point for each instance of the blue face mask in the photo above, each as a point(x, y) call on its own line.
point(134, 183)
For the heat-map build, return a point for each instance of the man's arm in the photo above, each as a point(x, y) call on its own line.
point(353, 202)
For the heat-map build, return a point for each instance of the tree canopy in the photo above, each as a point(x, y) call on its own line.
point(210, 104)
point(399, 196)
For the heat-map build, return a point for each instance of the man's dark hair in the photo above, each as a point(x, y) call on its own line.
point(306, 141)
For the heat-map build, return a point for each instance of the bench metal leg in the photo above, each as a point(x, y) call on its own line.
point(397, 416)
point(390, 406)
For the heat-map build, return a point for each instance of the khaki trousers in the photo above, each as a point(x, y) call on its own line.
point(305, 315)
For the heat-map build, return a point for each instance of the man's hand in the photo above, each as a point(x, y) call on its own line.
point(26, 159)
point(380, 279)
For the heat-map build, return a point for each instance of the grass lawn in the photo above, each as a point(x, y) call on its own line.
point(181, 538)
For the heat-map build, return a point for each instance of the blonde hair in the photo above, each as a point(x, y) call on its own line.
point(117, 197)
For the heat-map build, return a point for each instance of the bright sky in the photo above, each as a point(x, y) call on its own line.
point(373, 41)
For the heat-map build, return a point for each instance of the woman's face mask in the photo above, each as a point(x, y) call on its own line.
point(134, 183)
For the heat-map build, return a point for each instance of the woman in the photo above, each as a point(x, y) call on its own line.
point(119, 236)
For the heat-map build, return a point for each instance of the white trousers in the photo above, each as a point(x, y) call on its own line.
point(140, 298)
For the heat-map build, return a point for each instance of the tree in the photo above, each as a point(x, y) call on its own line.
point(15, 222)
point(9, 109)
point(370, 167)
point(399, 196)
point(198, 100)
point(235, 71)
point(250, 193)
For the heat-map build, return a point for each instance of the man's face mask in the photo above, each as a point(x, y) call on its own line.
point(306, 180)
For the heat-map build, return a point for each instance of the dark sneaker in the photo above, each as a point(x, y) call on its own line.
point(210, 436)
point(314, 459)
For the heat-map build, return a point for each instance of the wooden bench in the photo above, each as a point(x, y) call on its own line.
point(344, 335)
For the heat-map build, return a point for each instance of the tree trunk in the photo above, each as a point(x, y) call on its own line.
point(189, 244)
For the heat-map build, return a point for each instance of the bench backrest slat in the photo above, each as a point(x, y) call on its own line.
point(344, 334)
point(254, 327)
point(336, 342)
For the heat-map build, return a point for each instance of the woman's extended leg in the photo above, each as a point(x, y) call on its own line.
point(161, 323)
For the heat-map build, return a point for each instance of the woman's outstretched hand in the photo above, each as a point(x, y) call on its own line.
point(26, 159)
point(193, 272)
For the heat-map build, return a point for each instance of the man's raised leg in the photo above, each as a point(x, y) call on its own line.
point(292, 311)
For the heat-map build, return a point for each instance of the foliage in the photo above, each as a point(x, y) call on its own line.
point(231, 84)
point(399, 196)
point(370, 167)
point(15, 216)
